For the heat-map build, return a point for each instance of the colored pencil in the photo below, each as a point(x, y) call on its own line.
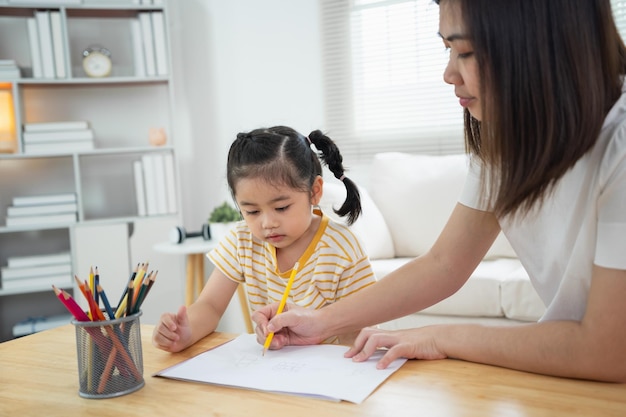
point(281, 306)
point(145, 293)
point(130, 279)
point(105, 301)
point(96, 282)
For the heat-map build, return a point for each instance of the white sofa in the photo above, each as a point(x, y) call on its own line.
point(405, 206)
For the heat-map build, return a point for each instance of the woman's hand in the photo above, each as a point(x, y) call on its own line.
point(417, 343)
point(294, 326)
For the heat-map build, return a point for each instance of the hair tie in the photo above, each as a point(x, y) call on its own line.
point(309, 140)
point(343, 177)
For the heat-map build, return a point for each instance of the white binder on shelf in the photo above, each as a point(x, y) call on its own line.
point(45, 43)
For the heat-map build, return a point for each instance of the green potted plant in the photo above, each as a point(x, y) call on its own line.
point(222, 219)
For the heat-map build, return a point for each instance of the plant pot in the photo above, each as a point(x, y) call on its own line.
point(219, 230)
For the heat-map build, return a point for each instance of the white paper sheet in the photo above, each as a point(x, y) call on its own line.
point(318, 371)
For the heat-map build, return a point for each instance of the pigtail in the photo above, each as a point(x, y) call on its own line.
point(331, 157)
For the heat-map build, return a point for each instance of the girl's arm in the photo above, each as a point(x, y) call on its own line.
point(205, 313)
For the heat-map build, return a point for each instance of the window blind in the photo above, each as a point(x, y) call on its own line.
point(383, 66)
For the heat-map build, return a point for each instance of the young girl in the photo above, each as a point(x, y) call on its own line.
point(545, 109)
point(276, 179)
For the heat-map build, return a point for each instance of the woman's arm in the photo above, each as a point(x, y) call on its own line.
point(594, 348)
point(418, 284)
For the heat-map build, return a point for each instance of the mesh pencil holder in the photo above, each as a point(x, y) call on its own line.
point(110, 360)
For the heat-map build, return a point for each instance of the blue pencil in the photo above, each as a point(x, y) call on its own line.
point(105, 301)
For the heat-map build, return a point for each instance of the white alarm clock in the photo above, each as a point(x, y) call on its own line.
point(97, 62)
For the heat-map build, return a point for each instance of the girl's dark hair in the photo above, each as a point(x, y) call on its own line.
point(281, 155)
point(550, 71)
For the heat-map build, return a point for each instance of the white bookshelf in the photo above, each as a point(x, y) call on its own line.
point(120, 110)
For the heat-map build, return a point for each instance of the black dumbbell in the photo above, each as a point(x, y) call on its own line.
point(179, 234)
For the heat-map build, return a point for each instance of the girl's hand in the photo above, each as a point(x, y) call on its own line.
point(417, 343)
point(173, 332)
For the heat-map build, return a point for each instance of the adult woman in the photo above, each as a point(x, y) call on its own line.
point(545, 116)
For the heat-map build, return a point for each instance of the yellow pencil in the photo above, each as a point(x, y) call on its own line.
point(281, 306)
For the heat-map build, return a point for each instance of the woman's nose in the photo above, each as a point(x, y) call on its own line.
point(451, 74)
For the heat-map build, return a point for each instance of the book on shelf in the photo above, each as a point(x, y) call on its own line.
point(10, 74)
point(59, 147)
point(9, 274)
point(46, 281)
point(37, 324)
point(140, 190)
point(139, 60)
point(17, 211)
point(57, 44)
point(160, 45)
point(67, 218)
point(47, 2)
point(59, 135)
point(9, 69)
point(150, 184)
point(35, 48)
point(63, 126)
point(39, 260)
point(159, 183)
point(159, 178)
point(33, 200)
point(145, 22)
point(170, 183)
point(45, 43)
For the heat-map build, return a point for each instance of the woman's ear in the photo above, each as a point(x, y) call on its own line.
point(317, 189)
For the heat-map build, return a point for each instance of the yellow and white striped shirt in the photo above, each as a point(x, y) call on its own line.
point(332, 267)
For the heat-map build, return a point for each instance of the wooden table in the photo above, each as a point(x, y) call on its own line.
point(38, 377)
point(195, 249)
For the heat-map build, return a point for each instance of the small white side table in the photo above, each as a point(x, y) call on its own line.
point(195, 249)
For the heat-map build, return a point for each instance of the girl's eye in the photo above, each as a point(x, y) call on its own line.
point(282, 208)
point(251, 212)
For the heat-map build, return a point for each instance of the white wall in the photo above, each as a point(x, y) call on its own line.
point(237, 65)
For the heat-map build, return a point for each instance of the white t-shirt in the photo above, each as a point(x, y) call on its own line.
point(582, 223)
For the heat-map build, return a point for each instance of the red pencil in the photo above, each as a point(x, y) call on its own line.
point(70, 304)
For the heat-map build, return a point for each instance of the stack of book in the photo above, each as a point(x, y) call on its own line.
point(37, 324)
point(42, 209)
point(149, 44)
point(9, 69)
point(155, 186)
point(57, 137)
point(47, 50)
point(43, 271)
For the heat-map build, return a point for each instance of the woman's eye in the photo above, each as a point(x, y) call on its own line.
point(465, 54)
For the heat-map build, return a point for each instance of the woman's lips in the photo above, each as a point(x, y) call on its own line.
point(465, 101)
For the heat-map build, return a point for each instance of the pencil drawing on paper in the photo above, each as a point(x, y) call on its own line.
point(320, 371)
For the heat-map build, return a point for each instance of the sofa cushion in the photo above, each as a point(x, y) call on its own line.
point(497, 288)
point(370, 227)
point(520, 301)
point(416, 194)
point(478, 297)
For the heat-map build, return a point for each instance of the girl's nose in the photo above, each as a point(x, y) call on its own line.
point(269, 221)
